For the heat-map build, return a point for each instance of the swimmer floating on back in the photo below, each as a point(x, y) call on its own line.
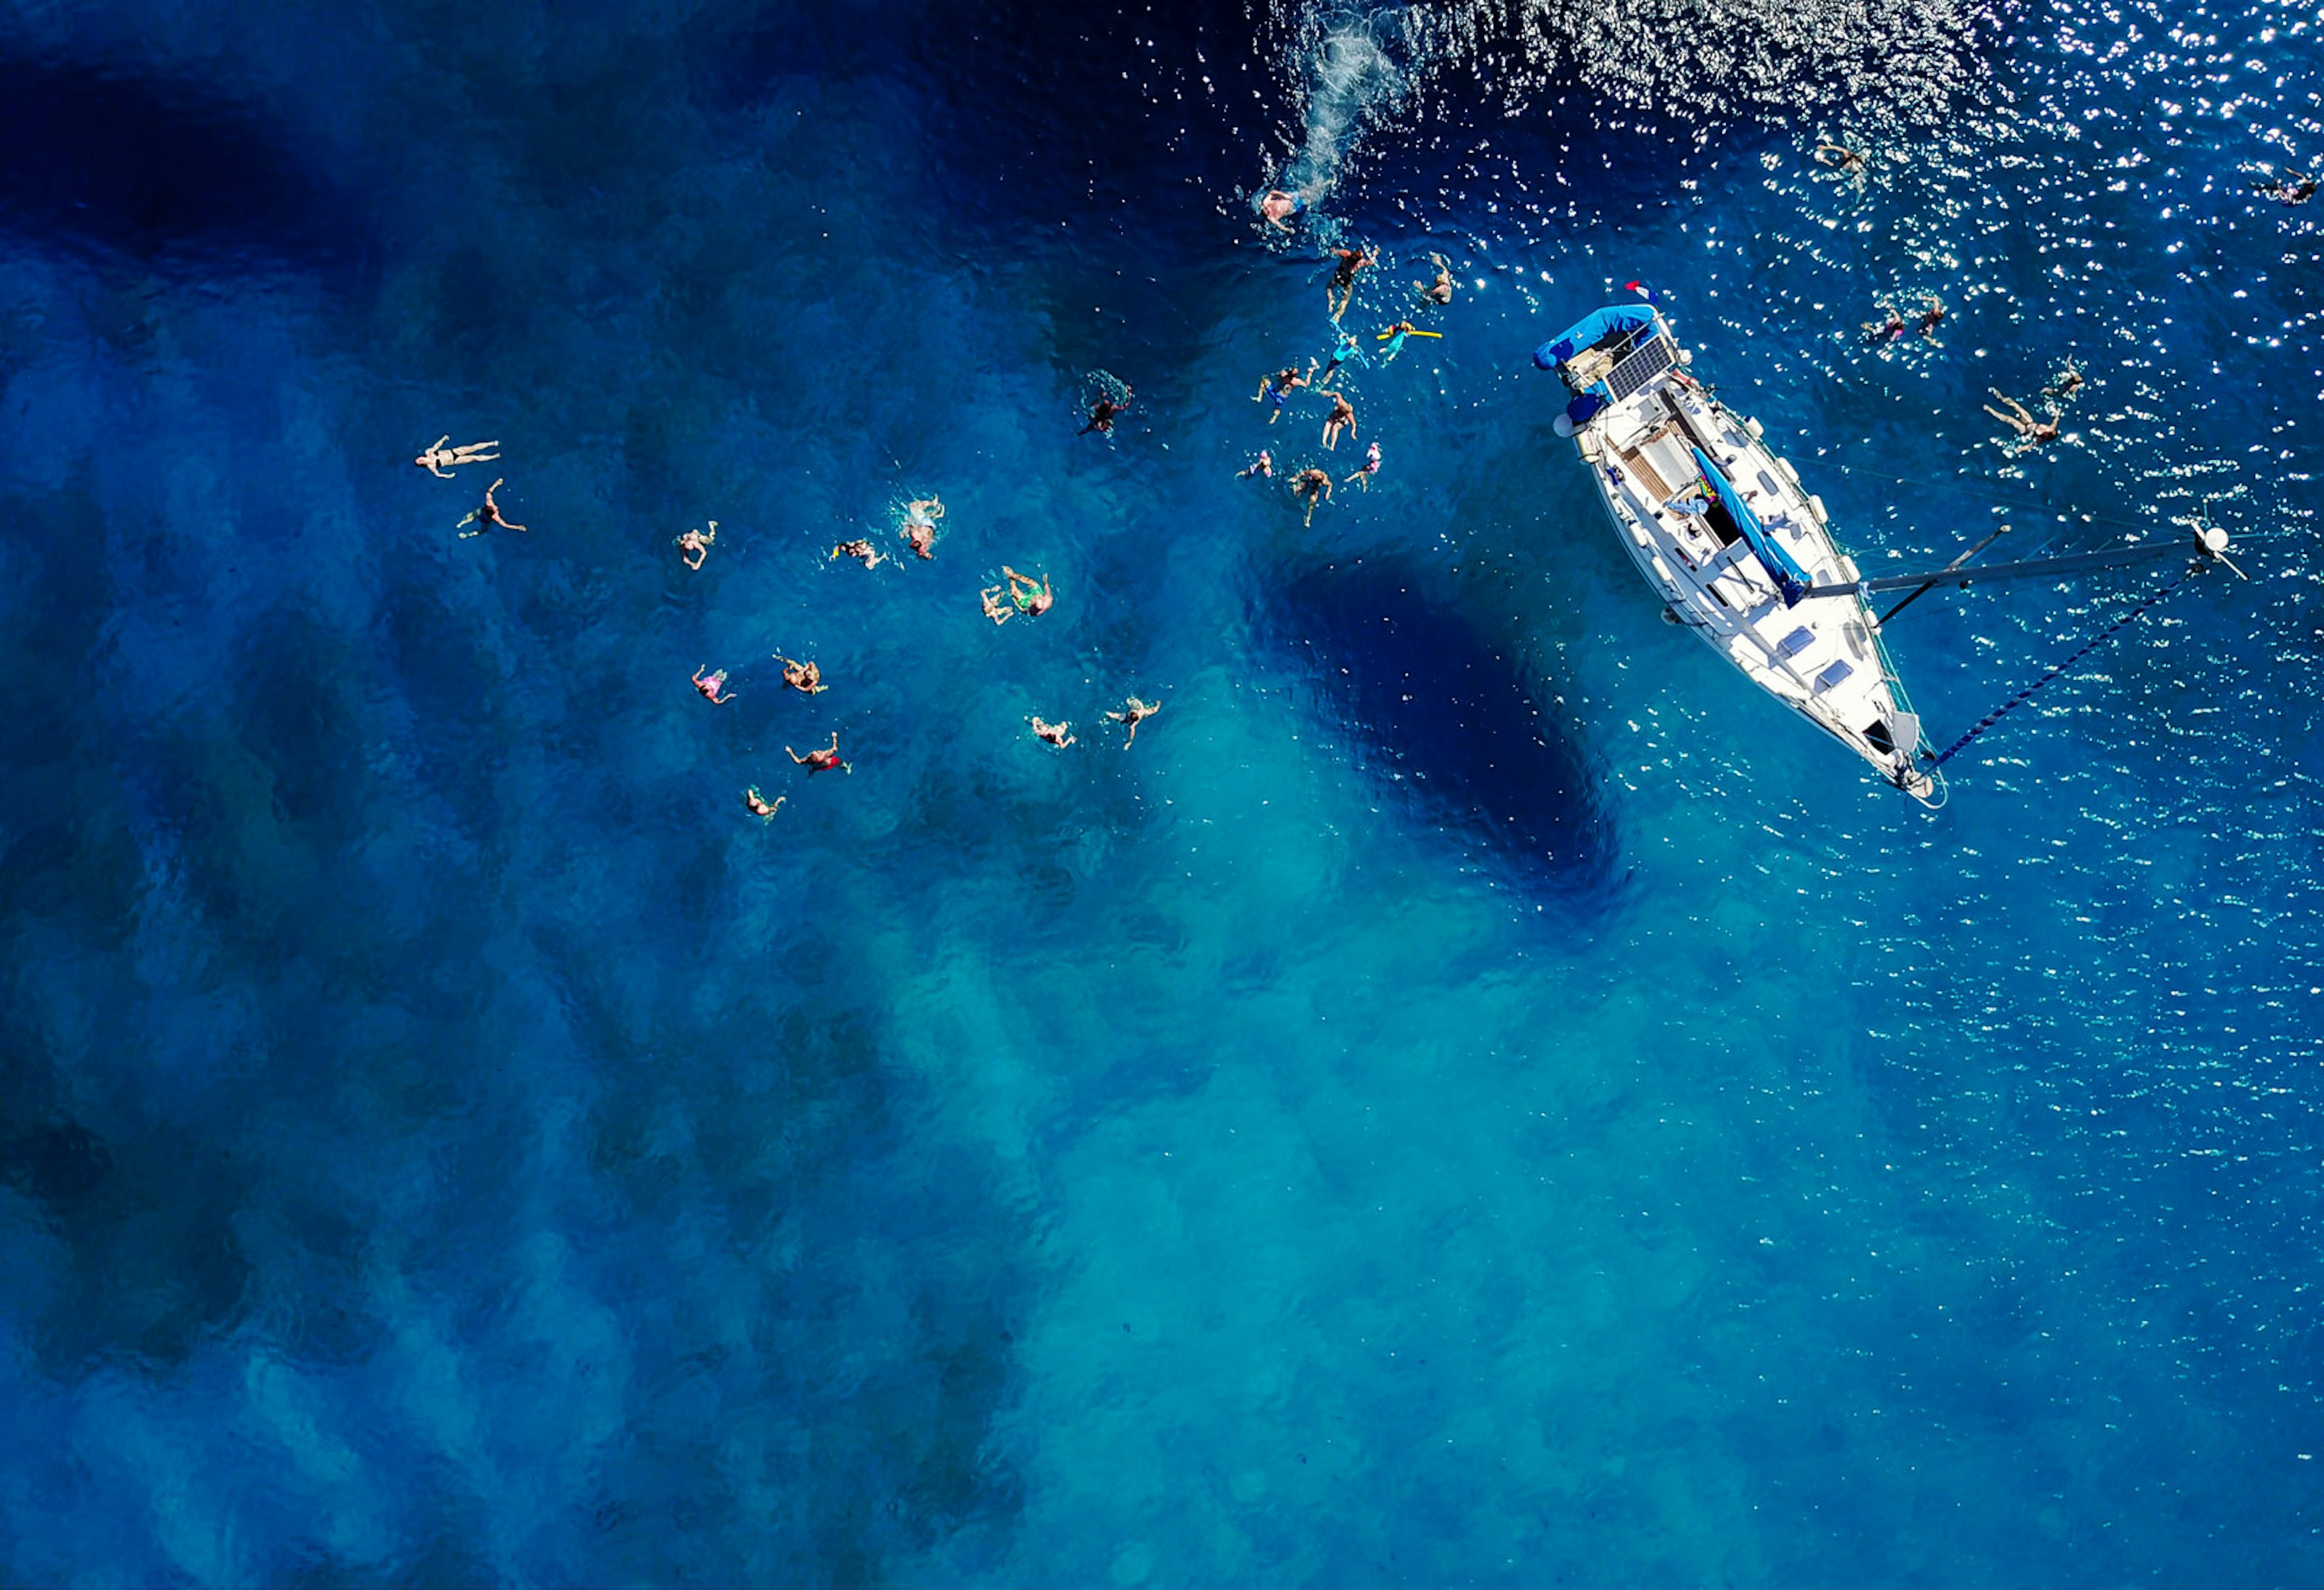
point(488, 516)
point(824, 760)
point(710, 685)
point(2298, 190)
point(695, 544)
point(803, 677)
point(2030, 432)
point(440, 461)
point(1394, 338)
point(1839, 158)
point(2065, 383)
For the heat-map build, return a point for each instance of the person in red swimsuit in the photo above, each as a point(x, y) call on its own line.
point(824, 760)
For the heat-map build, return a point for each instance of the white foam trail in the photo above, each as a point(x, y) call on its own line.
point(1355, 70)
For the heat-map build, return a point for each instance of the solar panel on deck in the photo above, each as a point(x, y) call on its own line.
point(1633, 374)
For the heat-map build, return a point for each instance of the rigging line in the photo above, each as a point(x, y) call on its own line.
point(2026, 503)
point(2019, 700)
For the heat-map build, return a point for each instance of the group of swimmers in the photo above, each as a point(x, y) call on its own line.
point(1027, 595)
point(1313, 484)
point(1893, 326)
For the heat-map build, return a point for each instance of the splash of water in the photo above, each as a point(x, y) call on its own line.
point(1357, 66)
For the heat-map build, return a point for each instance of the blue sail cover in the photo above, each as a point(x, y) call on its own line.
point(1590, 329)
point(1790, 578)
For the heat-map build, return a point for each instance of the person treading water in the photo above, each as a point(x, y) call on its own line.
point(1363, 476)
point(1056, 734)
point(1133, 712)
point(1315, 486)
point(696, 544)
point(759, 806)
point(920, 530)
point(1281, 384)
point(1343, 276)
point(1439, 291)
point(1277, 208)
point(488, 516)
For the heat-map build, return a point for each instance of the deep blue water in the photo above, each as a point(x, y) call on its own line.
point(1473, 1097)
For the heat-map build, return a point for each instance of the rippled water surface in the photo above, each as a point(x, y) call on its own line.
point(1474, 1096)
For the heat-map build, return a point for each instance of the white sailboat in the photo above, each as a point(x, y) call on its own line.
point(1729, 538)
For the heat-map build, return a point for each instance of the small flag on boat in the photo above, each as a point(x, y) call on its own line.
point(1641, 291)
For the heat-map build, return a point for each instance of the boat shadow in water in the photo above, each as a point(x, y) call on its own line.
point(1448, 727)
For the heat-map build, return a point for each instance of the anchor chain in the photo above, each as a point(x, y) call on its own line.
point(2100, 638)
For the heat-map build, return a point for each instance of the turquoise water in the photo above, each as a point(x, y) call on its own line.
point(1474, 1096)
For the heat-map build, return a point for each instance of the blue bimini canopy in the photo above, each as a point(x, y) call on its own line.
point(1590, 330)
point(1790, 578)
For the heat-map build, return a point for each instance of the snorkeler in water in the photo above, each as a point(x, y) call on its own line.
point(1931, 317)
point(695, 544)
point(862, 550)
point(759, 806)
point(1343, 276)
point(488, 516)
point(1341, 417)
point(1263, 466)
point(1278, 206)
point(1281, 385)
point(1315, 486)
point(2065, 383)
point(710, 685)
point(439, 460)
point(1439, 291)
point(821, 761)
point(1101, 413)
point(1133, 712)
point(1877, 332)
point(1056, 734)
point(1363, 476)
point(805, 677)
point(1345, 350)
